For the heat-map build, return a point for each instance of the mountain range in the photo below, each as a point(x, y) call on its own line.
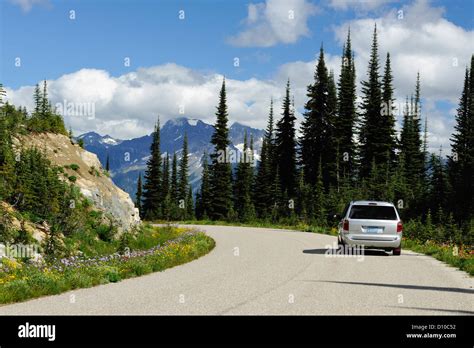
point(127, 158)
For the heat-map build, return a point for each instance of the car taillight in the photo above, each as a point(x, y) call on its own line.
point(345, 225)
point(399, 227)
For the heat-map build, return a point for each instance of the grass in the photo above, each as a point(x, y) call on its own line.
point(154, 249)
point(446, 253)
point(464, 260)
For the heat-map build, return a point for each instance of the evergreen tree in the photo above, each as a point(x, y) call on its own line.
point(243, 204)
point(461, 162)
point(220, 170)
point(189, 204)
point(347, 116)
point(371, 145)
point(331, 156)
point(138, 196)
point(265, 173)
point(165, 192)
point(183, 179)
point(153, 179)
point(203, 199)
point(438, 194)
point(285, 144)
point(45, 107)
point(174, 189)
point(107, 163)
point(6, 159)
point(411, 148)
point(37, 100)
point(319, 201)
point(387, 120)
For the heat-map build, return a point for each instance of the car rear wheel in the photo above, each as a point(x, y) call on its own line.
point(397, 251)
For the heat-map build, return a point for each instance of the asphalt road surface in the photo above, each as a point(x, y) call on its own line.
point(268, 271)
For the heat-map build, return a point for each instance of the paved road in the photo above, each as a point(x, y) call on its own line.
point(266, 271)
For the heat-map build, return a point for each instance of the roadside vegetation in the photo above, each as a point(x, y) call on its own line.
point(80, 246)
point(150, 249)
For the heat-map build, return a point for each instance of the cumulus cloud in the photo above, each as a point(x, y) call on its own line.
point(273, 22)
point(419, 39)
point(360, 5)
point(128, 105)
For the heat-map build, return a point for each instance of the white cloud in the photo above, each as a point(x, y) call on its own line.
point(419, 39)
point(273, 22)
point(27, 5)
point(360, 5)
point(128, 105)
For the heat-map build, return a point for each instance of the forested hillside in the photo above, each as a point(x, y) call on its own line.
point(346, 151)
point(38, 196)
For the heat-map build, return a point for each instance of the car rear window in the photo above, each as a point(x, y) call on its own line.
point(373, 212)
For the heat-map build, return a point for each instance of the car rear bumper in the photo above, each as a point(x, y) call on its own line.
point(384, 241)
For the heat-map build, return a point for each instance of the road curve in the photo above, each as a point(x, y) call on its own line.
point(268, 271)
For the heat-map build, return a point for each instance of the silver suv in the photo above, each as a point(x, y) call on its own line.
point(371, 224)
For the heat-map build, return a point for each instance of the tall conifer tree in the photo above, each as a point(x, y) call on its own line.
point(153, 176)
point(220, 169)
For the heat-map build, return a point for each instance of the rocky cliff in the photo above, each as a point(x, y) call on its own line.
point(90, 177)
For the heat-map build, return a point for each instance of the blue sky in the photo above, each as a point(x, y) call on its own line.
point(89, 52)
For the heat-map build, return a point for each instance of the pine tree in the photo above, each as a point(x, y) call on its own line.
point(263, 182)
point(220, 170)
point(45, 109)
point(387, 120)
point(138, 196)
point(174, 189)
point(243, 204)
point(203, 199)
point(319, 201)
point(318, 128)
point(371, 148)
point(183, 179)
point(347, 116)
point(411, 148)
point(107, 164)
point(285, 144)
point(461, 162)
point(165, 192)
point(439, 189)
point(152, 186)
point(6, 159)
point(331, 156)
point(37, 100)
point(189, 204)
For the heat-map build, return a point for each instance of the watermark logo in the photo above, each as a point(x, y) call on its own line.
point(72, 109)
point(235, 156)
point(19, 250)
point(357, 251)
point(37, 331)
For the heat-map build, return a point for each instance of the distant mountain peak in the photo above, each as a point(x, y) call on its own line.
point(183, 121)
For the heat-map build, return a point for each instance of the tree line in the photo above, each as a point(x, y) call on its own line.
point(345, 152)
point(165, 193)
